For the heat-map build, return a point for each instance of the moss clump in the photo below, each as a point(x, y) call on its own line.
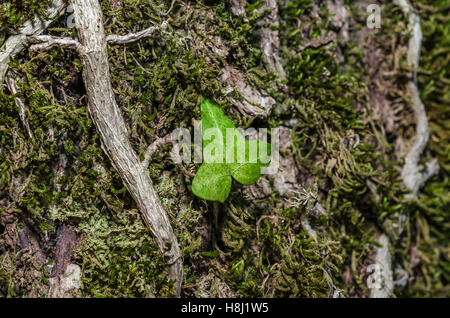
point(275, 258)
point(14, 13)
point(118, 257)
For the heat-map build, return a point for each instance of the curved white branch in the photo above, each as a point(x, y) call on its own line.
point(151, 150)
point(45, 42)
point(161, 142)
point(384, 272)
point(412, 174)
point(133, 37)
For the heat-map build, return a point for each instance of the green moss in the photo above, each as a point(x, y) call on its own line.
point(14, 13)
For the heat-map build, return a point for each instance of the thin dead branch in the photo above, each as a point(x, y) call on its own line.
point(133, 37)
point(46, 42)
point(412, 174)
point(114, 135)
point(161, 142)
point(154, 147)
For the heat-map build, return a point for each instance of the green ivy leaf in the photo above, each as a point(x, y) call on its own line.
point(212, 182)
point(223, 160)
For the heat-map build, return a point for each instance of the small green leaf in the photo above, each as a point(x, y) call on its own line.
point(212, 182)
point(248, 172)
point(242, 159)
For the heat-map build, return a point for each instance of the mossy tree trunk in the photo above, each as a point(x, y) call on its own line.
point(353, 115)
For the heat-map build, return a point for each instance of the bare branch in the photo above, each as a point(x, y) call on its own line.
point(133, 37)
point(45, 42)
point(413, 177)
point(177, 158)
point(114, 135)
point(153, 148)
point(161, 142)
point(383, 259)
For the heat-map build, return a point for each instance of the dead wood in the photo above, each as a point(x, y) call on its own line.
point(111, 127)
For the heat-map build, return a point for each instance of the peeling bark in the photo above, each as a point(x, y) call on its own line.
point(67, 276)
point(255, 102)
